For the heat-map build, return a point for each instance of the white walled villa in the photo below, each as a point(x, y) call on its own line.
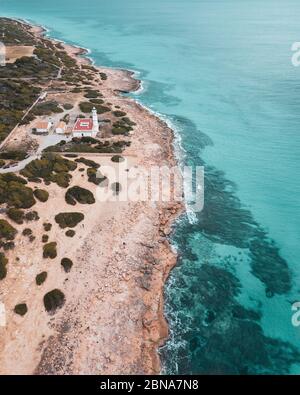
point(87, 127)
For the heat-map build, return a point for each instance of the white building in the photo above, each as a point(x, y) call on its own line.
point(61, 128)
point(87, 127)
point(42, 127)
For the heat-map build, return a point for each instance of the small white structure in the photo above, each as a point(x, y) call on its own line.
point(87, 127)
point(61, 128)
point(42, 127)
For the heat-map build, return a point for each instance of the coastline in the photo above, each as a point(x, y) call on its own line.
point(152, 323)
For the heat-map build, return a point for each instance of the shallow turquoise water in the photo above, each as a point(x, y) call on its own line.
point(221, 72)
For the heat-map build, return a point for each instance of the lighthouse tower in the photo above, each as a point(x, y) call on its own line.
point(95, 122)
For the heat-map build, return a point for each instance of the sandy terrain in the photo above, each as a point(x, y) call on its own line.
point(15, 52)
point(112, 321)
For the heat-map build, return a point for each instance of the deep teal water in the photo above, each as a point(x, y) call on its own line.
point(221, 72)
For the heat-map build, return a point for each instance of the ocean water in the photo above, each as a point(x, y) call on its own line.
point(221, 72)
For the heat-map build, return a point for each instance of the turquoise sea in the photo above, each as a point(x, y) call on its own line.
point(221, 72)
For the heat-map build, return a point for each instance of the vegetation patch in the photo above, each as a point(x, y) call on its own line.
point(15, 97)
point(16, 215)
point(95, 176)
point(117, 159)
point(41, 278)
point(27, 232)
point(66, 264)
point(14, 192)
point(119, 113)
point(68, 106)
point(3, 264)
point(51, 168)
point(97, 101)
point(13, 155)
point(47, 108)
point(88, 162)
point(49, 250)
point(54, 300)
point(32, 216)
point(10, 245)
point(103, 76)
point(86, 107)
point(122, 126)
point(41, 195)
point(45, 238)
point(7, 231)
point(21, 309)
point(80, 195)
point(47, 226)
point(70, 233)
point(80, 146)
point(69, 220)
point(92, 94)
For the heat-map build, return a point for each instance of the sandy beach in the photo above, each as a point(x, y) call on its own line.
point(112, 321)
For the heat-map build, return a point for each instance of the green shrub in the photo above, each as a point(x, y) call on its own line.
point(11, 177)
point(21, 309)
point(32, 216)
point(54, 300)
point(119, 114)
point(122, 126)
point(27, 232)
point(10, 245)
point(92, 94)
point(86, 107)
point(41, 195)
point(120, 130)
point(85, 139)
point(81, 195)
point(128, 121)
point(14, 192)
point(52, 168)
point(97, 101)
point(47, 226)
point(61, 179)
point(16, 215)
point(47, 108)
point(66, 264)
point(117, 159)
point(34, 179)
point(69, 220)
point(70, 233)
point(71, 155)
point(13, 155)
point(68, 106)
point(95, 176)
point(49, 250)
point(7, 231)
point(3, 263)
point(69, 200)
point(45, 238)
point(102, 109)
point(41, 278)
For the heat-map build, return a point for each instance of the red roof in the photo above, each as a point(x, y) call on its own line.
point(83, 125)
